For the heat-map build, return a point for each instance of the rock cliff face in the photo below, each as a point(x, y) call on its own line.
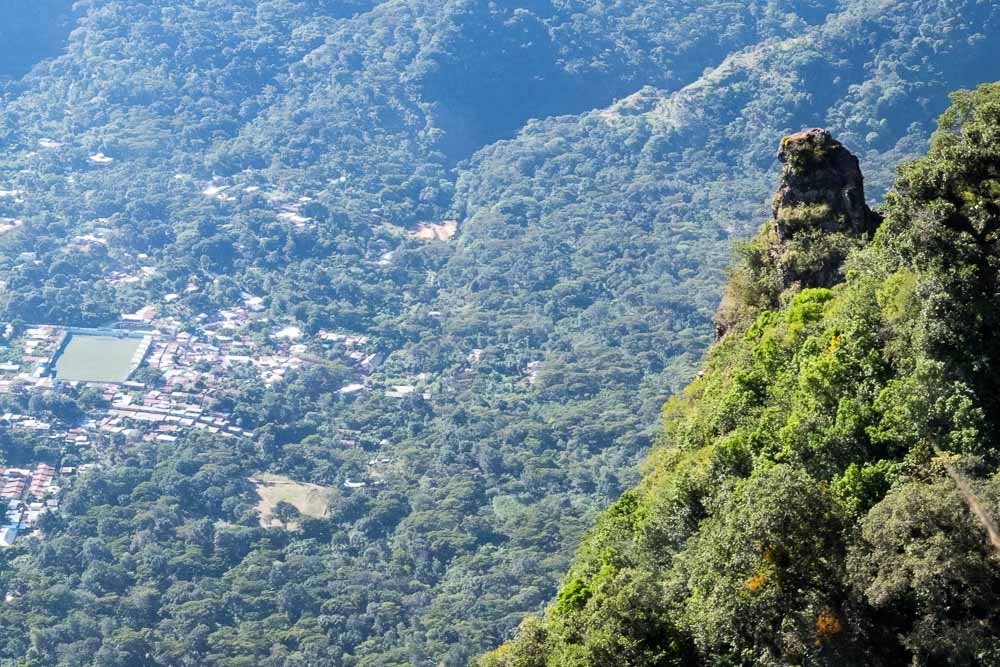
point(819, 215)
point(819, 172)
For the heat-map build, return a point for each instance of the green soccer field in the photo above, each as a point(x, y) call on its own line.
point(96, 358)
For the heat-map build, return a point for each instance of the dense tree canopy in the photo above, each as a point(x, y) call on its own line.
point(803, 507)
point(599, 159)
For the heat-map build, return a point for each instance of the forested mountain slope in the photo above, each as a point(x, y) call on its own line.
point(599, 160)
point(353, 111)
point(826, 490)
point(30, 32)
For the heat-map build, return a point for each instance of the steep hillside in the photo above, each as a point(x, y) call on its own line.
point(292, 152)
point(352, 105)
point(825, 491)
point(30, 32)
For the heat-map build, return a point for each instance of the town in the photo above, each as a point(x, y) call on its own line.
point(152, 379)
point(157, 373)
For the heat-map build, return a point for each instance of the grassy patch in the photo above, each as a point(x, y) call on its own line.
point(96, 358)
point(309, 499)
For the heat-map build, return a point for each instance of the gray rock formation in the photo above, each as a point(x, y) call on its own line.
point(819, 172)
point(820, 214)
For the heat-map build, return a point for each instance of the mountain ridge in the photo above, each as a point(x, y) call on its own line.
point(802, 506)
point(199, 158)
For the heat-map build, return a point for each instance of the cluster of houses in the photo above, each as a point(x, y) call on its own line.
point(81, 436)
point(25, 422)
point(223, 342)
point(192, 365)
point(38, 344)
point(192, 362)
point(288, 207)
point(28, 494)
point(168, 414)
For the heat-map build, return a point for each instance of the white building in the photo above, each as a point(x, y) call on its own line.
point(8, 534)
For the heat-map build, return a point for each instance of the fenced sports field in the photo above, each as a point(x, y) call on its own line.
point(89, 358)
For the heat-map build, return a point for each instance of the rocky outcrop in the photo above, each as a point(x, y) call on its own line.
point(819, 214)
point(819, 209)
point(818, 171)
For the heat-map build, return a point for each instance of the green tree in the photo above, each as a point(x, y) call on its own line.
point(285, 512)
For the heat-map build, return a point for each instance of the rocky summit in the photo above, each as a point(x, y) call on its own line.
point(819, 171)
point(819, 216)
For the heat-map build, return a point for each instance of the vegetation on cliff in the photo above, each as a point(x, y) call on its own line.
point(801, 507)
point(592, 237)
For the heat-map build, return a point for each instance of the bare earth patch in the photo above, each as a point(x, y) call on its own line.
point(428, 231)
point(309, 499)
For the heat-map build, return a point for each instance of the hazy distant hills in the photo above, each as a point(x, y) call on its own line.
point(31, 31)
point(599, 159)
